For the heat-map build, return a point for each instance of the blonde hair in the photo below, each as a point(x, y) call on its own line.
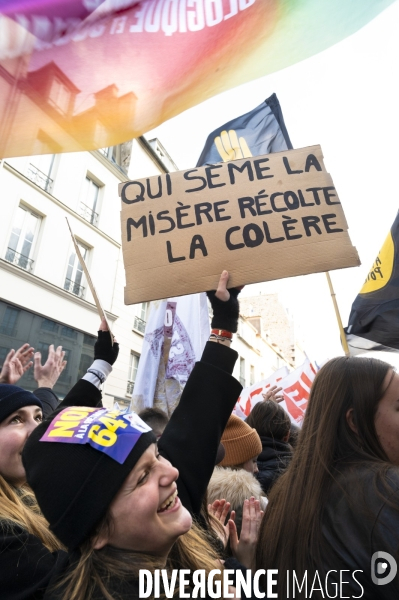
point(96, 567)
point(19, 508)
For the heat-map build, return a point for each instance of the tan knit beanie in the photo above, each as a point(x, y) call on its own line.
point(240, 441)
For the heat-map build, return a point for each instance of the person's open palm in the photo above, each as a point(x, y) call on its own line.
point(16, 364)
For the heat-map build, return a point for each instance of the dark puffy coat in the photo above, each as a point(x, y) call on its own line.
point(26, 565)
point(272, 461)
point(360, 518)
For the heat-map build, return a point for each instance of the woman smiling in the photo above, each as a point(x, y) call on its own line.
point(112, 497)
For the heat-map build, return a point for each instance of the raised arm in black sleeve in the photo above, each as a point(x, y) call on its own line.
point(192, 436)
point(83, 393)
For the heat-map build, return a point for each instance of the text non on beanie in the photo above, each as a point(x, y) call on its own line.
point(77, 462)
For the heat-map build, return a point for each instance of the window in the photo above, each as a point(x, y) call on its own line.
point(89, 206)
point(69, 332)
point(133, 366)
point(140, 320)
point(9, 321)
point(252, 375)
point(242, 371)
point(86, 361)
point(18, 326)
point(22, 239)
point(113, 153)
point(60, 96)
point(42, 347)
point(49, 325)
point(143, 311)
point(39, 171)
point(89, 340)
point(3, 353)
point(100, 134)
point(74, 276)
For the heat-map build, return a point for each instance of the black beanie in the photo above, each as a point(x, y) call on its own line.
point(75, 483)
point(13, 398)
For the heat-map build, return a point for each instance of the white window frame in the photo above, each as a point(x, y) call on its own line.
point(243, 379)
point(24, 259)
point(75, 270)
point(132, 374)
point(90, 211)
point(59, 96)
point(252, 377)
point(139, 322)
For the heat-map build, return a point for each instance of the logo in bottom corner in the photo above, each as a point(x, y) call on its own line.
point(383, 568)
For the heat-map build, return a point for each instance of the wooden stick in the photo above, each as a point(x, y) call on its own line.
point(339, 321)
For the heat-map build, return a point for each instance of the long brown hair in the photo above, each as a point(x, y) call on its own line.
point(18, 508)
point(290, 537)
point(95, 568)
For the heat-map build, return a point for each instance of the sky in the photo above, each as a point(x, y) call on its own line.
point(346, 99)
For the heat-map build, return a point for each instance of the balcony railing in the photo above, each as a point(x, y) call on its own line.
point(88, 213)
point(139, 325)
point(129, 387)
point(19, 259)
point(74, 288)
point(40, 178)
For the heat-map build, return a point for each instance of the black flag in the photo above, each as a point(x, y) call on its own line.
point(258, 132)
point(374, 319)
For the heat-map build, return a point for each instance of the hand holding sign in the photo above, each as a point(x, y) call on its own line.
point(224, 305)
point(91, 284)
point(105, 348)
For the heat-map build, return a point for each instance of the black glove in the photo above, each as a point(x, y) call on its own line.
point(225, 314)
point(104, 350)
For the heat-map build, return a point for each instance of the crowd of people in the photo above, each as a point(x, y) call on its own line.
point(92, 496)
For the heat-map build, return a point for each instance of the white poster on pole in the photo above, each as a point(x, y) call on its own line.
point(175, 336)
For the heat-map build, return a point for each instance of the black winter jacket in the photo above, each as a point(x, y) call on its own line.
point(272, 461)
point(361, 517)
point(25, 564)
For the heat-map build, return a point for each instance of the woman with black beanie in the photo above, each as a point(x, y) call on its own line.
point(113, 499)
point(28, 549)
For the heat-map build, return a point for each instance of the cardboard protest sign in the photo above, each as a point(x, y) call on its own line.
point(89, 280)
point(261, 218)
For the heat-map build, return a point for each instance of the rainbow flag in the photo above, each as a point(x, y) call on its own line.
point(86, 74)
